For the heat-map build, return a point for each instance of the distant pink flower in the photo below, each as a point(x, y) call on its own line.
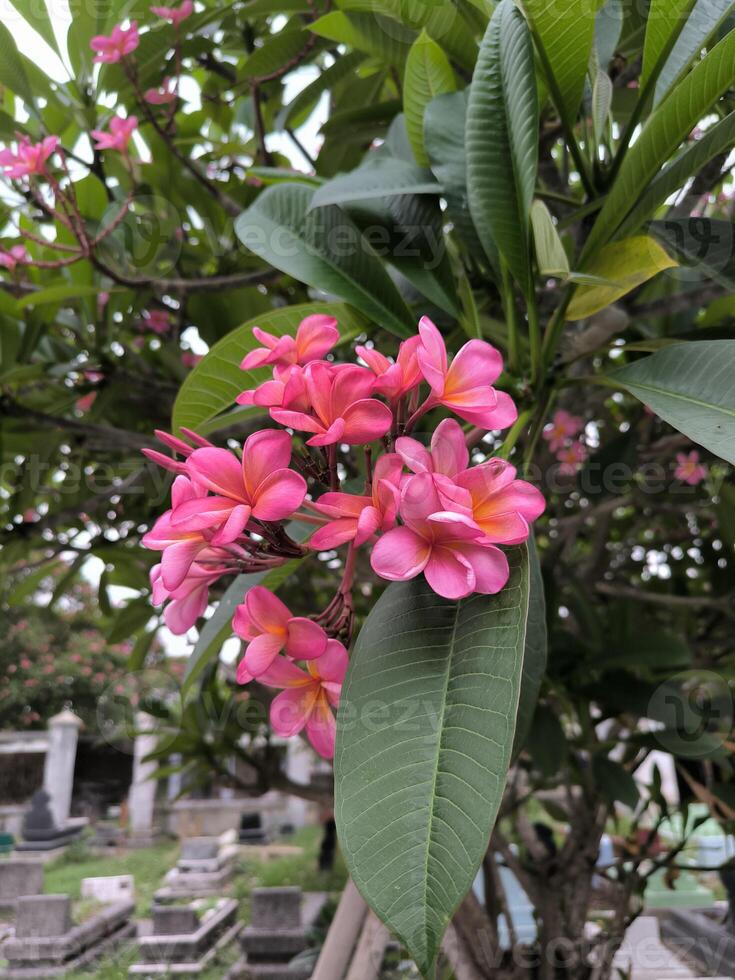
point(28, 158)
point(115, 46)
point(84, 403)
point(16, 255)
point(502, 507)
point(315, 337)
point(163, 95)
point(180, 546)
point(341, 410)
point(268, 626)
point(465, 385)
point(563, 426)
point(394, 379)
point(261, 486)
point(571, 458)
point(446, 546)
point(119, 135)
point(189, 601)
point(189, 359)
point(175, 14)
point(308, 698)
point(357, 518)
point(159, 321)
point(689, 469)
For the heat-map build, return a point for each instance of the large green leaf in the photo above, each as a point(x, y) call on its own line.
point(502, 140)
point(299, 108)
point(690, 386)
point(424, 737)
point(379, 177)
point(35, 12)
point(276, 51)
point(670, 123)
point(216, 381)
point(372, 33)
point(324, 249)
point(705, 245)
point(702, 24)
point(665, 19)
point(12, 73)
point(565, 32)
point(718, 139)
point(428, 74)
point(535, 655)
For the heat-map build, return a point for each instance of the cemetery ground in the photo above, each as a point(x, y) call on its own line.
point(149, 865)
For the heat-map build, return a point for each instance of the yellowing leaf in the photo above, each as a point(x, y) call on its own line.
point(550, 255)
point(625, 265)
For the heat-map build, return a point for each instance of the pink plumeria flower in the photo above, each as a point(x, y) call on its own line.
point(28, 159)
point(181, 546)
point(178, 446)
point(158, 321)
point(689, 469)
point(465, 385)
point(571, 458)
point(447, 457)
point(189, 359)
point(260, 487)
point(286, 389)
point(448, 547)
point(341, 406)
point(357, 518)
point(84, 403)
point(164, 95)
point(394, 380)
point(118, 136)
point(308, 698)
point(16, 255)
point(189, 601)
point(502, 506)
point(175, 15)
point(563, 426)
point(268, 626)
point(117, 45)
point(315, 337)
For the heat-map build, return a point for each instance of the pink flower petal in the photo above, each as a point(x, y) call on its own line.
point(449, 574)
point(432, 355)
point(476, 364)
point(365, 421)
point(181, 614)
point(321, 728)
point(330, 436)
point(262, 453)
point(306, 640)
point(367, 524)
point(334, 534)
point(416, 457)
point(290, 710)
point(279, 495)
point(284, 673)
point(176, 561)
point(332, 665)
point(449, 449)
point(316, 336)
point(490, 567)
point(233, 526)
point(400, 554)
point(219, 471)
point(266, 611)
point(261, 652)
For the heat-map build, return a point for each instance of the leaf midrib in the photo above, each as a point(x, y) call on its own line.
point(689, 399)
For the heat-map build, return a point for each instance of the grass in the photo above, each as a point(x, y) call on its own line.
point(148, 867)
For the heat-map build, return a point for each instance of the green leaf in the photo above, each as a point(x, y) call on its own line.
point(624, 265)
point(444, 138)
point(690, 387)
point(550, 255)
point(666, 128)
point(608, 27)
point(57, 294)
point(701, 25)
point(276, 51)
point(218, 628)
point(324, 249)
point(371, 33)
point(36, 14)
point(665, 19)
point(547, 743)
point(502, 140)
point(424, 737)
point(602, 95)
point(718, 139)
point(564, 32)
point(704, 244)
point(615, 783)
point(214, 384)
point(300, 107)
point(379, 177)
point(12, 72)
point(428, 74)
point(535, 655)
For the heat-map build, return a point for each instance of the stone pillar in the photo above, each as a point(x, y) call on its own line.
point(58, 770)
point(142, 795)
point(299, 762)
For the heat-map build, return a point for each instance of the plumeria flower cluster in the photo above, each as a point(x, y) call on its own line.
point(423, 509)
point(564, 439)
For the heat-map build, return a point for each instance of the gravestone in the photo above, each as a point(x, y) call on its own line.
point(43, 916)
point(142, 793)
point(40, 830)
point(111, 888)
point(203, 870)
point(709, 940)
point(19, 878)
point(276, 935)
point(184, 942)
point(251, 829)
point(688, 892)
point(47, 944)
